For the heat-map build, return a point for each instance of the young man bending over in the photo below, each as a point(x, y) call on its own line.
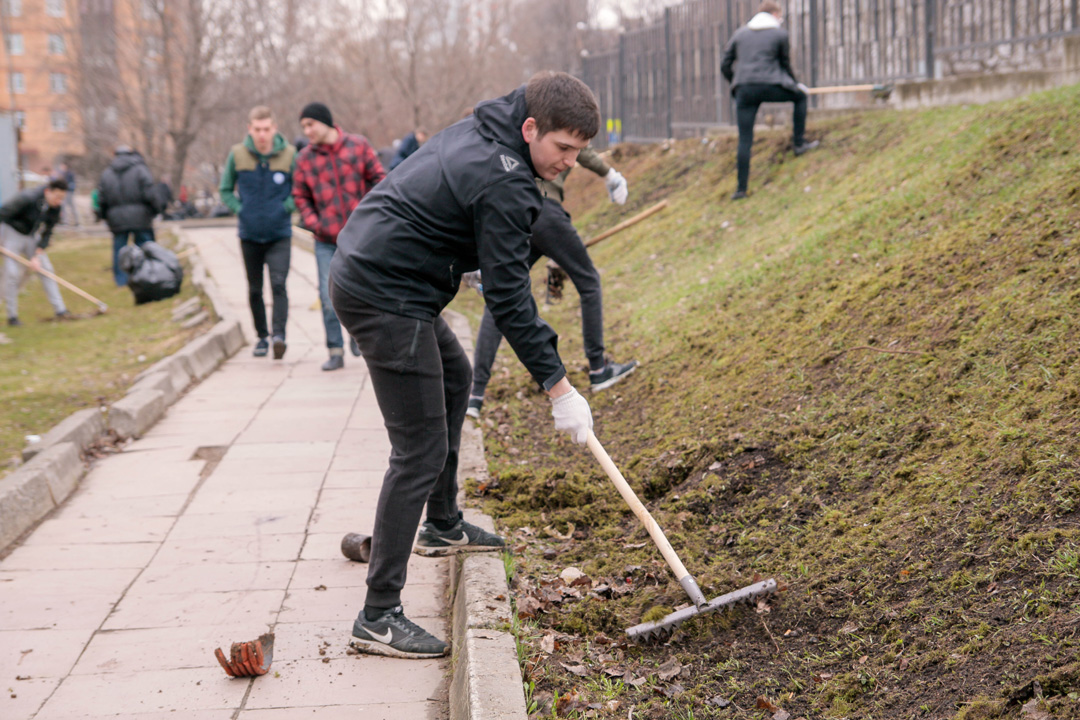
point(466, 200)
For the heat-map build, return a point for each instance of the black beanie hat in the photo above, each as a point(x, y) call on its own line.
point(317, 111)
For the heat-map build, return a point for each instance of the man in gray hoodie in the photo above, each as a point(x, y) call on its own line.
point(760, 53)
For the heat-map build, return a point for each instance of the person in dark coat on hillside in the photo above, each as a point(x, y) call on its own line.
point(128, 200)
point(466, 200)
point(27, 221)
point(260, 169)
point(554, 236)
point(409, 144)
point(332, 174)
point(760, 53)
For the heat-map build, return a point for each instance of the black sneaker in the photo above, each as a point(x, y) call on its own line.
point(475, 405)
point(612, 373)
point(261, 348)
point(806, 147)
point(739, 195)
point(334, 362)
point(394, 635)
point(14, 321)
point(354, 347)
point(279, 347)
point(463, 537)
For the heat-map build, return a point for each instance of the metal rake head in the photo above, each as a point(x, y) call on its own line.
point(662, 629)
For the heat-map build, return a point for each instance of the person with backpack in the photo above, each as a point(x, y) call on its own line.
point(128, 200)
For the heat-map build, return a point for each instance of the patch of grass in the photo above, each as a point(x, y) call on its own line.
point(864, 381)
point(51, 369)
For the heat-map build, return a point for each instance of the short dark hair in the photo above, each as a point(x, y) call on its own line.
point(58, 184)
point(558, 101)
point(770, 6)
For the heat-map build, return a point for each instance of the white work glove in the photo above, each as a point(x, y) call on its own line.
point(472, 279)
point(616, 186)
point(803, 89)
point(573, 414)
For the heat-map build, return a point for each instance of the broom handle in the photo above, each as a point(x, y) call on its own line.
point(628, 222)
point(56, 278)
point(639, 509)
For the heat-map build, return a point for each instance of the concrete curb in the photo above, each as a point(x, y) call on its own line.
point(136, 412)
point(486, 682)
point(31, 492)
point(54, 465)
point(81, 428)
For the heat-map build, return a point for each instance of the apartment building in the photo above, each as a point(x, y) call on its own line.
point(38, 67)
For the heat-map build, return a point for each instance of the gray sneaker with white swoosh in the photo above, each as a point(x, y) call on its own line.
point(394, 635)
point(463, 537)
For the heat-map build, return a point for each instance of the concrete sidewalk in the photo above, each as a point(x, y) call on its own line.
point(224, 520)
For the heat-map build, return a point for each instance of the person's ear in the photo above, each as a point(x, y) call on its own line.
point(529, 130)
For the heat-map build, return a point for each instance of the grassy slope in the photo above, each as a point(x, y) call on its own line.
point(51, 369)
point(922, 506)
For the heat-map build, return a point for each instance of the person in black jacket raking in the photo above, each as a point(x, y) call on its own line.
point(28, 221)
point(466, 200)
point(760, 53)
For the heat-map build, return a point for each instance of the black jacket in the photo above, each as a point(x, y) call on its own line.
point(28, 211)
point(466, 199)
point(760, 56)
point(127, 195)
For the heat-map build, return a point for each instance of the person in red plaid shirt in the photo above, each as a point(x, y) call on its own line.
point(332, 174)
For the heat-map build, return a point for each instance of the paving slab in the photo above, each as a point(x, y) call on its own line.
point(158, 547)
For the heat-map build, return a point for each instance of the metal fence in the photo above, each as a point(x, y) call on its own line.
point(664, 80)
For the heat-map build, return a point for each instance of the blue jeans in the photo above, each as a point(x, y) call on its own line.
point(119, 241)
point(324, 253)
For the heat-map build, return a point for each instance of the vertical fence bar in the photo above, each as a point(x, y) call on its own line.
point(667, 70)
point(1075, 14)
point(929, 18)
point(814, 59)
point(621, 85)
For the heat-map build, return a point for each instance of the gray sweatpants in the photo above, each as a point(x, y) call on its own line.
point(25, 245)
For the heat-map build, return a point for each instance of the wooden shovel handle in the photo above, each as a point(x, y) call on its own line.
point(639, 509)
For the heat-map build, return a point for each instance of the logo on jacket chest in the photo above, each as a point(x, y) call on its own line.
point(508, 163)
point(279, 178)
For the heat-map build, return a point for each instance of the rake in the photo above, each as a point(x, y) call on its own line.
point(662, 629)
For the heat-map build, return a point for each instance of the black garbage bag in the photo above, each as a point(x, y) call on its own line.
point(154, 273)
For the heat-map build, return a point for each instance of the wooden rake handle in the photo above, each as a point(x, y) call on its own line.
point(628, 222)
point(639, 509)
point(56, 278)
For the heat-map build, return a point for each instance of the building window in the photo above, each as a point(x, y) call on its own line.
point(54, 8)
point(59, 120)
point(58, 83)
point(57, 46)
point(20, 119)
point(14, 43)
point(18, 83)
point(13, 8)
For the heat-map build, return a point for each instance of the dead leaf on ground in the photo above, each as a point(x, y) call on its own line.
point(547, 644)
point(579, 670)
point(550, 531)
point(669, 669)
point(764, 703)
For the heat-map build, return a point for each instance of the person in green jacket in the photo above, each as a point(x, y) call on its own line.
point(554, 236)
point(257, 186)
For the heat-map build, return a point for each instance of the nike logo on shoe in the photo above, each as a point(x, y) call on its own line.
point(384, 638)
point(463, 540)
